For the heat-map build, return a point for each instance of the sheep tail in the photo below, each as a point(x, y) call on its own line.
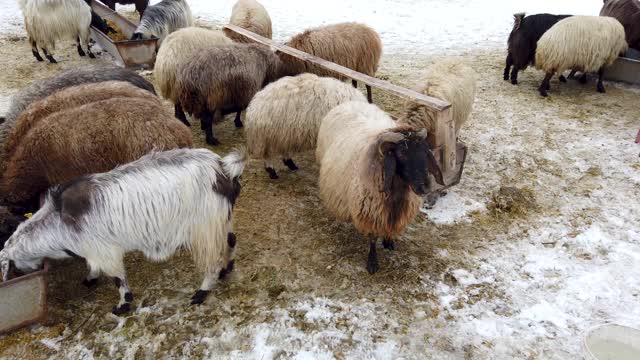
point(517, 20)
point(234, 162)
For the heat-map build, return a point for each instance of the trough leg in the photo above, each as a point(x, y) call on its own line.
point(208, 120)
point(389, 244)
point(269, 168)
point(34, 51)
point(354, 83)
point(179, 114)
point(49, 56)
point(372, 260)
point(290, 164)
point(369, 95)
point(600, 86)
point(238, 121)
point(514, 75)
point(509, 62)
point(80, 51)
point(544, 87)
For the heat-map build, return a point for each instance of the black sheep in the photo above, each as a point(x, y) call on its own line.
point(523, 41)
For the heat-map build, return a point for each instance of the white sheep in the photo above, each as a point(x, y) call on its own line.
point(162, 19)
point(450, 80)
point(252, 16)
point(373, 171)
point(158, 204)
point(582, 43)
point(179, 47)
point(285, 116)
point(49, 20)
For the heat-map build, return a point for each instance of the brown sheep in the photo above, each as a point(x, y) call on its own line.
point(628, 13)
point(221, 80)
point(352, 45)
point(62, 146)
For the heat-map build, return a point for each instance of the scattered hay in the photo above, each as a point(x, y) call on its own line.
point(512, 200)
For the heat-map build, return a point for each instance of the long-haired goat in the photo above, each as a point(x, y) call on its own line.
point(221, 80)
point(178, 47)
point(523, 40)
point(252, 16)
point(285, 116)
point(352, 45)
point(628, 13)
point(94, 137)
point(49, 20)
point(582, 43)
point(162, 19)
point(158, 204)
point(373, 171)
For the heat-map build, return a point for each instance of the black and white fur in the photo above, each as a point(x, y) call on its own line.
point(162, 19)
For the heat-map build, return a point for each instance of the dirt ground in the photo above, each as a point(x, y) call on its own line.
point(291, 252)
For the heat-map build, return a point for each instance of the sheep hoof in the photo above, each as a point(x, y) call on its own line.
point(230, 266)
point(583, 79)
point(122, 309)
point(199, 297)
point(562, 79)
point(91, 55)
point(238, 123)
point(290, 164)
point(389, 244)
point(80, 51)
point(514, 81)
point(506, 78)
point(51, 59)
point(223, 274)
point(37, 56)
point(600, 88)
point(372, 266)
point(272, 173)
point(543, 92)
point(213, 141)
point(90, 283)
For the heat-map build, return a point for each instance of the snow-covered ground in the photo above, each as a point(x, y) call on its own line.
point(465, 282)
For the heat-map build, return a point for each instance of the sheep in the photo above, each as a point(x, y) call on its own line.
point(178, 47)
point(628, 13)
point(252, 16)
point(450, 80)
point(285, 116)
point(163, 202)
point(221, 80)
point(162, 19)
point(89, 138)
point(352, 45)
point(523, 40)
point(72, 97)
point(583, 43)
point(42, 88)
point(49, 20)
point(141, 5)
point(373, 171)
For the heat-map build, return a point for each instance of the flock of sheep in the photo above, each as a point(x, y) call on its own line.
point(64, 139)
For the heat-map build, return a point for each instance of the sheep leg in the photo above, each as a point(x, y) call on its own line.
point(389, 244)
point(572, 74)
point(268, 167)
point(562, 78)
point(514, 75)
point(238, 121)
point(126, 297)
point(80, 51)
point(205, 288)
point(372, 260)
point(369, 95)
point(231, 242)
point(544, 87)
point(583, 78)
point(290, 164)
point(179, 114)
point(509, 62)
point(34, 51)
point(600, 86)
point(92, 279)
point(207, 122)
point(354, 83)
point(49, 56)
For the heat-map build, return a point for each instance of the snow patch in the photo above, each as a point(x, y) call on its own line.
point(452, 209)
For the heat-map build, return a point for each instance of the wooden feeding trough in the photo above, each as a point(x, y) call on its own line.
point(450, 153)
point(128, 53)
point(23, 300)
point(625, 69)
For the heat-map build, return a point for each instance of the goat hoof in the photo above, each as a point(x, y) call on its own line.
point(80, 51)
point(213, 141)
point(122, 309)
point(238, 124)
point(543, 92)
point(51, 59)
point(90, 283)
point(273, 175)
point(290, 164)
point(91, 55)
point(372, 266)
point(199, 297)
point(514, 81)
point(389, 244)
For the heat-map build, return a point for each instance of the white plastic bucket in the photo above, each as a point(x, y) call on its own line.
point(612, 342)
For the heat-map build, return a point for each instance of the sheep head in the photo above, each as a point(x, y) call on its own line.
point(406, 154)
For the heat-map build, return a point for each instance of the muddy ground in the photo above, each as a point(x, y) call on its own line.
point(291, 253)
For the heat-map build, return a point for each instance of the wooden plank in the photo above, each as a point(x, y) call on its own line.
point(433, 103)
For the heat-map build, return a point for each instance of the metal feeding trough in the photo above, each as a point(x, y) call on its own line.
point(23, 300)
point(128, 53)
point(625, 69)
